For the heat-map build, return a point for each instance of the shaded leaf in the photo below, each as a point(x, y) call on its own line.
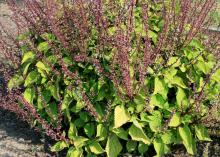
point(121, 133)
point(113, 146)
point(31, 78)
point(15, 81)
point(136, 132)
point(131, 146)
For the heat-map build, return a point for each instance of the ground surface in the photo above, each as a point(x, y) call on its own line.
point(16, 137)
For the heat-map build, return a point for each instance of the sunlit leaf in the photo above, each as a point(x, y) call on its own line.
point(121, 116)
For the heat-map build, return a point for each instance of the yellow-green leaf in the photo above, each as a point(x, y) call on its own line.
point(96, 148)
point(137, 133)
point(29, 95)
point(15, 81)
point(101, 132)
point(202, 133)
point(31, 78)
point(178, 81)
point(187, 139)
point(174, 62)
point(43, 46)
point(121, 116)
point(159, 147)
point(113, 146)
point(28, 56)
point(73, 152)
point(42, 66)
point(160, 87)
point(79, 141)
point(59, 146)
point(175, 120)
point(182, 100)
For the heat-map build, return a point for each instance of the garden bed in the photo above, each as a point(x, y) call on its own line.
point(18, 139)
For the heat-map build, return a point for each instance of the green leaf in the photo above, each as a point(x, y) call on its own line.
point(28, 56)
point(152, 35)
point(155, 126)
point(155, 121)
point(54, 89)
point(79, 105)
point(178, 81)
point(183, 67)
point(48, 36)
point(44, 46)
point(72, 131)
point(137, 133)
point(29, 95)
point(182, 100)
point(205, 67)
point(53, 110)
point(79, 123)
point(187, 119)
point(140, 103)
point(175, 120)
point(73, 152)
point(131, 146)
point(188, 140)
point(25, 68)
point(31, 78)
point(157, 100)
point(202, 133)
point(142, 147)
point(79, 141)
point(169, 74)
point(113, 146)
point(23, 36)
point(89, 129)
point(159, 146)
point(196, 44)
point(101, 132)
point(59, 146)
point(96, 148)
point(160, 87)
point(42, 66)
point(216, 76)
point(121, 116)
point(168, 137)
point(174, 62)
point(15, 81)
point(121, 133)
point(84, 116)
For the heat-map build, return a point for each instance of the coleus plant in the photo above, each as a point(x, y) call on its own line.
point(115, 77)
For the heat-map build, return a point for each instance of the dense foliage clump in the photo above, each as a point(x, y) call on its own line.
point(109, 77)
